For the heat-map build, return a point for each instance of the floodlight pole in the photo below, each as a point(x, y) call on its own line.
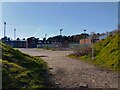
point(4, 29)
point(61, 32)
point(84, 41)
point(45, 36)
point(14, 34)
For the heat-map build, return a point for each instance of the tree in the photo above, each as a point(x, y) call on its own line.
point(18, 39)
point(23, 39)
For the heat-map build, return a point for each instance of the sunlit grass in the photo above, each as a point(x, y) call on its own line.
point(107, 53)
point(20, 70)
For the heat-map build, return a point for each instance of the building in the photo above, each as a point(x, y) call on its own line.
point(14, 43)
point(88, 41)
point(102, 37)
point(18, 44)
point(85, 41)
point(32, 42)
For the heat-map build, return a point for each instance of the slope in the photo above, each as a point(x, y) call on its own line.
point(107, 52)
point(20, 70)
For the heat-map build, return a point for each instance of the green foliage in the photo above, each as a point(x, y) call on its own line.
point(107, 53)
point(81, 51)
point(70, 39)
point(20, 70)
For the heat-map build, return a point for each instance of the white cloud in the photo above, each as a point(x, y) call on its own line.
point(37, 32)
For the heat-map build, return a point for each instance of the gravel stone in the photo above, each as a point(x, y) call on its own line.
point(73, 73)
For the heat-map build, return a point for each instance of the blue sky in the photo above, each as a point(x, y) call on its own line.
point(38, 18)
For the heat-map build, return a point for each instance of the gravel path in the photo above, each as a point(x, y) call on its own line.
point(70, 73)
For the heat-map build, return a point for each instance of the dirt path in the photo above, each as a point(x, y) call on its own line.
point(70, 73)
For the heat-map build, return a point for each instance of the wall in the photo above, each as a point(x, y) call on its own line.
point(85, 41)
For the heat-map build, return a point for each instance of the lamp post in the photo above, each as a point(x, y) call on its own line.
point(84, 37)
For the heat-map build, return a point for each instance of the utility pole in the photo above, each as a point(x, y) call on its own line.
point(14, 34)
point(4, 29)
point(92, 49)
point(92, 42)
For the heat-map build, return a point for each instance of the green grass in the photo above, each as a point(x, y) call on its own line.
point(20, 70)
point(107, 53)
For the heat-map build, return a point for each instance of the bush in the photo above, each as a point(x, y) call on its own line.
point(82, 51)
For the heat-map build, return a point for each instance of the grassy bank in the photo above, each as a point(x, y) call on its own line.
point(107, 53)
point(20, 70)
